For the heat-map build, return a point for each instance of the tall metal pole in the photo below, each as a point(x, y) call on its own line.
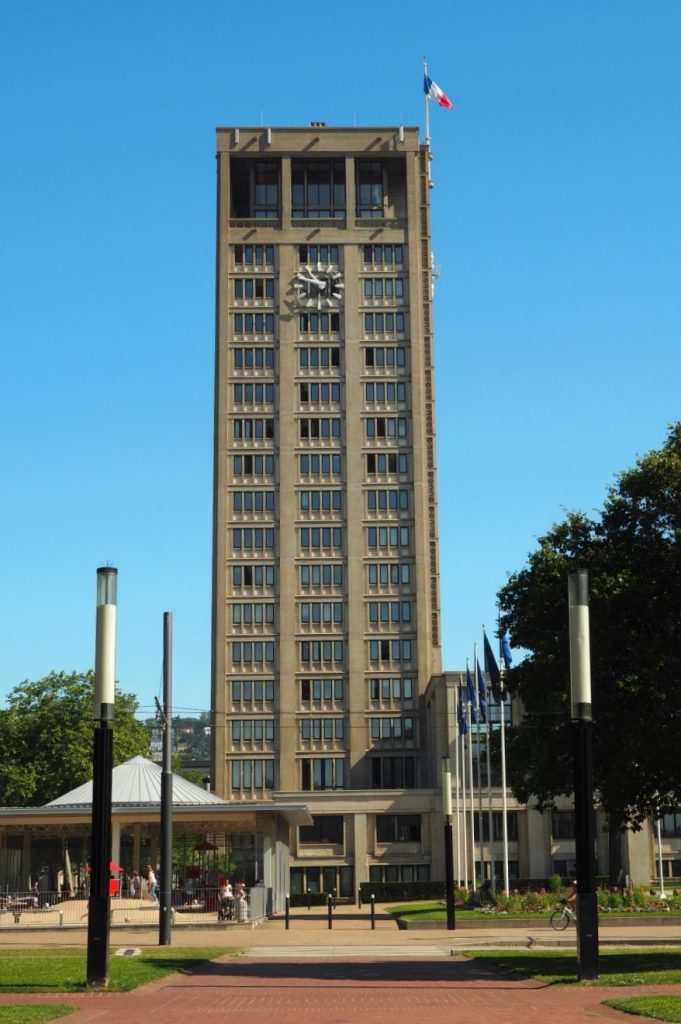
point(102, 765)
point(585, 825)
point(165, 914)
point(449, 841)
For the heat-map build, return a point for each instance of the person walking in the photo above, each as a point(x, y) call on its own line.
point(152, 884)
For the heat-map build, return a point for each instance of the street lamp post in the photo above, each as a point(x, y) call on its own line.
point(582, 725)
point(102, 763)
point(449, 842)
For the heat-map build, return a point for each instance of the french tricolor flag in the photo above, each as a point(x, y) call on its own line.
point(434, 92)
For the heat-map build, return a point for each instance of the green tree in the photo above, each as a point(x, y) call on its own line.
point(46, 736)
point(632, 550)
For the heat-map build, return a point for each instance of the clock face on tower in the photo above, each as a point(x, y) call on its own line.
point(319, 285)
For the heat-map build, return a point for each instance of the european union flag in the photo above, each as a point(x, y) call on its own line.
point(482, 695)
point(492, 668)
point(461, 716)
point(506, 652)
point(471, 694)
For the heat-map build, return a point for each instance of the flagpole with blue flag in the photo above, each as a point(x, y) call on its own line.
point(470, 711)
point(488, 758)
point(463, 729)
point(479, 714)
point(497, 683)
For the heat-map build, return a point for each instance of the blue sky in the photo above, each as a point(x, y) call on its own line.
point(556, 225)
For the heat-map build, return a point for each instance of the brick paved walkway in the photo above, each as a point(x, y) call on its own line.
point(351, 991)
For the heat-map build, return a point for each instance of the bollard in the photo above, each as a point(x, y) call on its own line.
point(287, 911)
point(309, 900)
point(359, 899)
point(61, 918)
point(330, 910)
point(373, 912)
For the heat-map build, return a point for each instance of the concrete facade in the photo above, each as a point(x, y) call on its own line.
point(325, 445)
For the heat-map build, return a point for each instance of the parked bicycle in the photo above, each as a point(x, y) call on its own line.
point(560, 919)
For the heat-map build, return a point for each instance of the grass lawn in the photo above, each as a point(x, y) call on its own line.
point(658, 1007)
point(436, 911)
point(35, 1014)
point(617, 967)
point(64, 970)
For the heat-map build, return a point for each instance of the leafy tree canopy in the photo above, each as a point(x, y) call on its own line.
point(632, 550)
point(46, 737)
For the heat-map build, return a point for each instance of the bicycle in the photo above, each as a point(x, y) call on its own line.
point(560, 919)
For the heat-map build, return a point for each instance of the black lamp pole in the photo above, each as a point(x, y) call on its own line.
point(166, 910)
point(449, 842)
point(102, 763)
point(585, 825)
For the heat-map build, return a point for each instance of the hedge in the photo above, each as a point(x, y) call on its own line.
point(387, 892)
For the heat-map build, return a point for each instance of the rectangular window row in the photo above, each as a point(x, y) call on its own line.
point(322, 773)
point(254, 323)
point(370, 191)
point(259, 358)
point(318, 189)
point(253, 394)
point(252, 729)
point(254, 188)
point(253, 288)
point(318, 254)
point(253, 501)
point(393, 773)
point(249, 539)
point(321, 357)
point(389, 650)
point(320, 465)
point(385, 391)
point(389, 611)
point(323, 575)
point(404, 873)
point(254, 255)
point(386, 426)
point(319, 323)
point(318, 537)
point(387, 500)
point(322, 729)
point(253, 465)
point(497, 826)
point(319, 426)
point(392, 728)
point(321, 613)
point(390, 255)
point(388, 288)
point(384, 323)
point(388, 573)
point(252, 691)
point(389, 689)
point(322, 652)
point(387, 462)
point(253, 652)
point(252, 774)
point(318, 690)
point(321, 501)
point(253, 429)
point(398, 828)
point(253, 575)
point(258, 613)
point(326, 391)
point(388, 536)
point(379, 356)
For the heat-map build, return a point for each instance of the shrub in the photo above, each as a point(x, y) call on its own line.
point(408, 892)
point(555, 883)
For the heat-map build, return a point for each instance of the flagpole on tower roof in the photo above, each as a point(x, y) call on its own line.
point(426, 101)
